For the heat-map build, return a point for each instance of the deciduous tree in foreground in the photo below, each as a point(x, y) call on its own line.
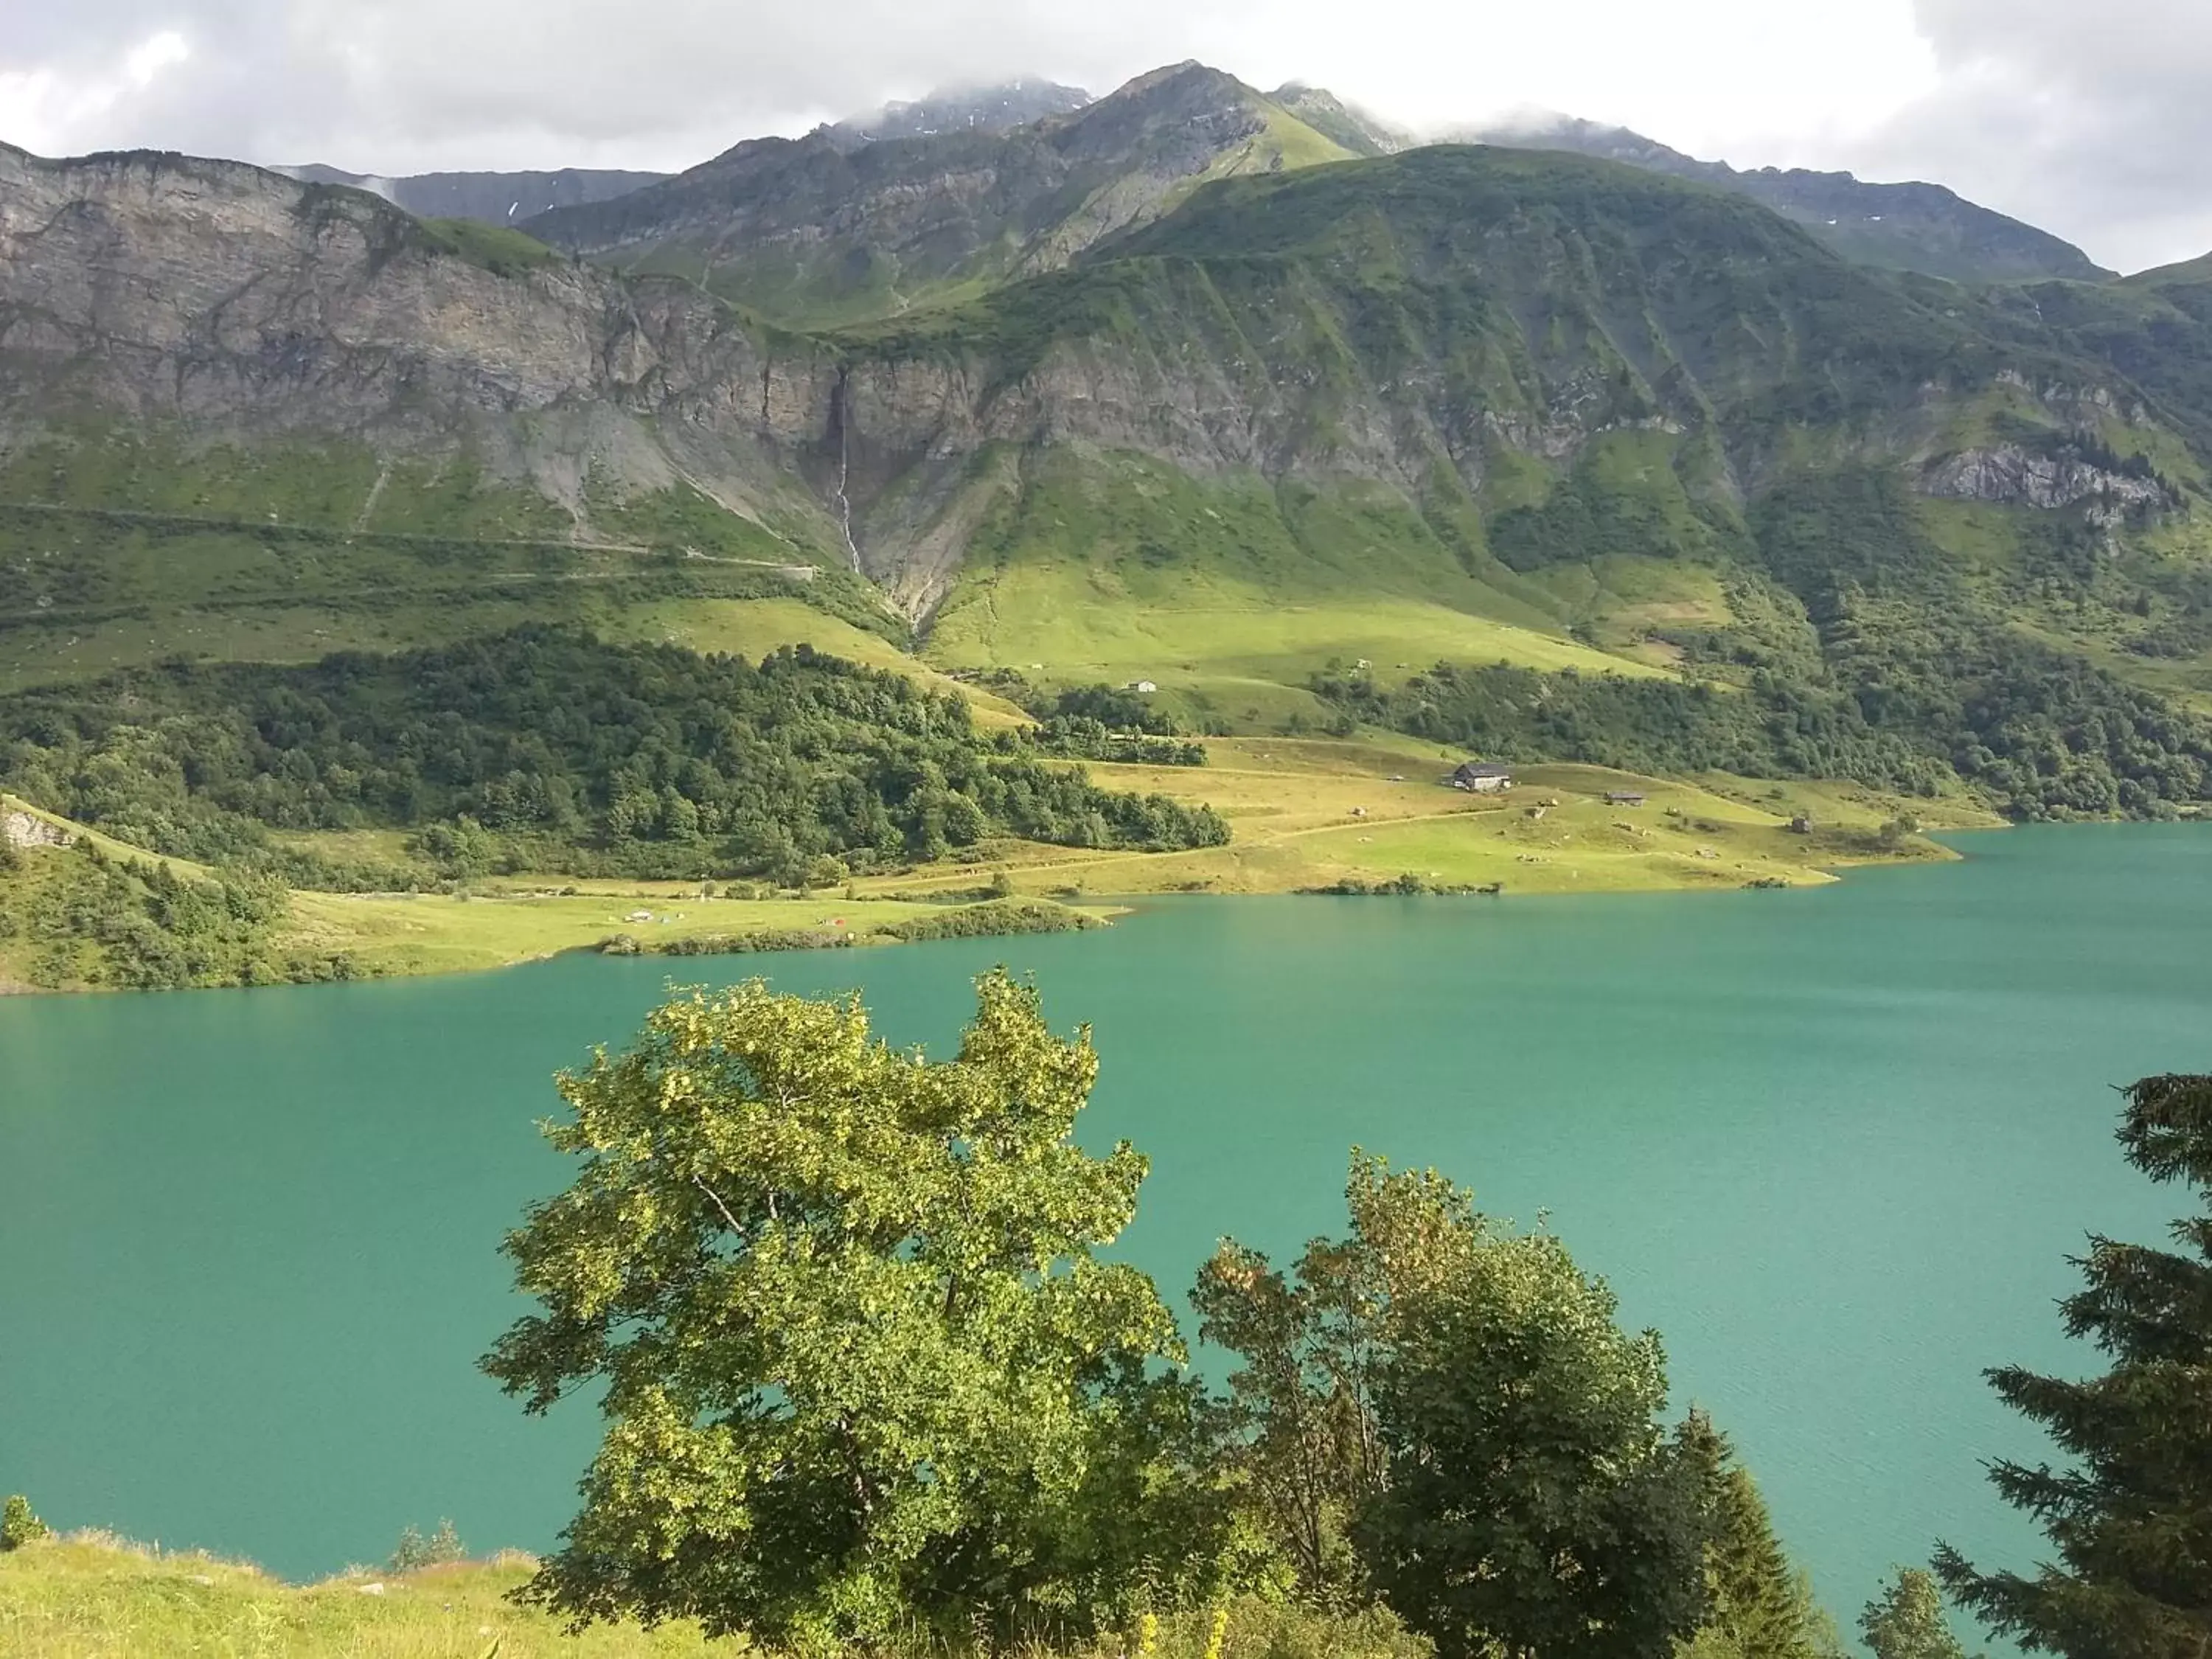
point(1460, 1394)
point(2131, 1515)
point(863, 1375)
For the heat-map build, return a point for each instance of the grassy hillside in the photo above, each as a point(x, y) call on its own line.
point(1894, 227)
point(131, 544)
point(92, 1594)
point(1231, 594)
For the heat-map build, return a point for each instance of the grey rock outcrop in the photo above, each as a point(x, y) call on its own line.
point(21, 828)
point(2014, 477)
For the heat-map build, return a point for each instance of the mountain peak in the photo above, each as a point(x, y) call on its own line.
point(997, 107)
point(1349, 126)
point(847, 225)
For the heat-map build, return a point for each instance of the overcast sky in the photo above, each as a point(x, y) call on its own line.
point(2093, 121)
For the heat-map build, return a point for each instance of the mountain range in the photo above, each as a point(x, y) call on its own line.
point(495, 198)
point(1899, 226)
point(1902, 227)
point(1174, 383)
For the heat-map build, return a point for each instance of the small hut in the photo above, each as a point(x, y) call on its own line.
point(1481, 778)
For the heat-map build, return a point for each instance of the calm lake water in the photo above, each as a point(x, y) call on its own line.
point(1835, 1144)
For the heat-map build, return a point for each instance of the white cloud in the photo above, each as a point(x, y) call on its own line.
point(46, 106)
point(2090, 121)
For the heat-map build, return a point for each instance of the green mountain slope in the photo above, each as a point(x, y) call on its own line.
point(1545, 391)
point(836, 227)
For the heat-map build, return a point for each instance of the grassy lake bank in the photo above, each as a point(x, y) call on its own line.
point(1307, 814)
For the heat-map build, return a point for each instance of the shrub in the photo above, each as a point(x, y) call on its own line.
point(18, 1525)
point(414, 1551)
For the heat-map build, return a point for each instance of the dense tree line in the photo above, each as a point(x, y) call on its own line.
point(75, 916)
point(1915, 683)
point(1106, 723)
point(547, 748)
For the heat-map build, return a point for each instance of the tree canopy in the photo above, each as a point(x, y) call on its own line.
point(2131, 1514)
point(1460, 1394)
point(863, 1371)
point(546, 749)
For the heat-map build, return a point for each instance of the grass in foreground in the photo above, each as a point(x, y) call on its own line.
point(92, 1596)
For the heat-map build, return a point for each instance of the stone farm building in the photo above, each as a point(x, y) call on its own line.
point(1481, 778)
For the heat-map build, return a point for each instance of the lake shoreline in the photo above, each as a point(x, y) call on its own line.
point(1364, 815)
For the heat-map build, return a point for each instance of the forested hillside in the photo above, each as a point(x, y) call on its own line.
point(546, 750)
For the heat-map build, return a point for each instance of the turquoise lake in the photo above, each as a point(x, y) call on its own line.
point(1836, 1145)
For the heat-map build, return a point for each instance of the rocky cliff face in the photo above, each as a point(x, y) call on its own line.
point(250, 305)
point(1420, 328)
point(2013, 476)
point(210, 289)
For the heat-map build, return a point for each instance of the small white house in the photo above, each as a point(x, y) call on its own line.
point(1142, 685)
point(1481, 778)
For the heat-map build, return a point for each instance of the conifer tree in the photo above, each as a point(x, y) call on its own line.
point(2131, 1515)
point(1760, 1605)
point(1906, 1621)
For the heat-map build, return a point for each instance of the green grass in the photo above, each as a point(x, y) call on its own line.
point(424, 933)
point(1231, 594)
point(754, 628)
point(499, 249)
point(119, 548)
point(1308, 813)
point(93, 1597)
point(90, 1596)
